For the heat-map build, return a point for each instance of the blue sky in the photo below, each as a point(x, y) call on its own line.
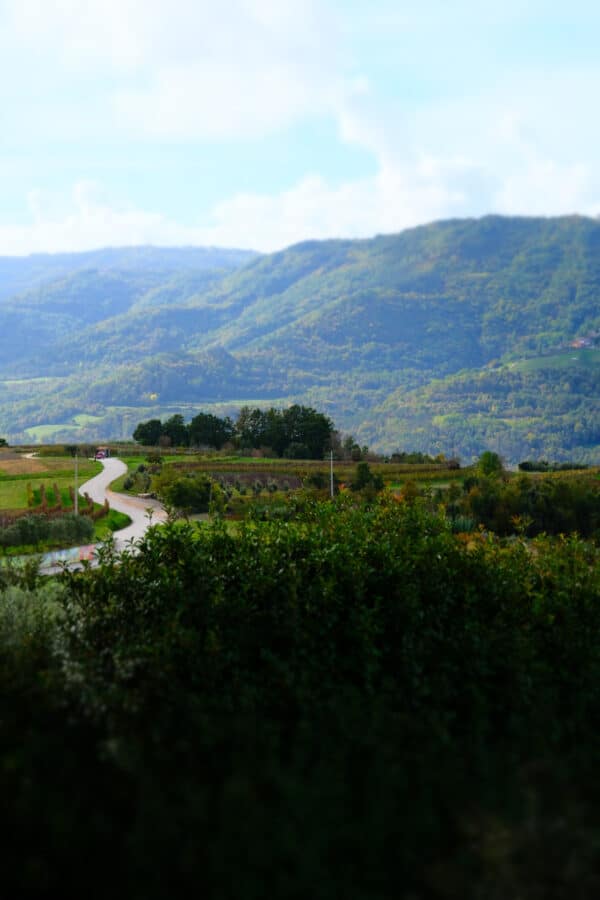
point(258, 123)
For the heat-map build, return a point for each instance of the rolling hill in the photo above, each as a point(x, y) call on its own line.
point(451, 337)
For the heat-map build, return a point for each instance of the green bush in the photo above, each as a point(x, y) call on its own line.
point(190, 492)
point(32, 530)
point(353, 703)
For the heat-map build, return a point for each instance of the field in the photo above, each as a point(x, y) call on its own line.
point(588, 358)
point(16, 472)
point(343, 470)
point(22, 476)
point(41, 433)
point(57, 467)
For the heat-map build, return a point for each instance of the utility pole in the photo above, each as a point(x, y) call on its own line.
point(76, 500)
point(331, 473)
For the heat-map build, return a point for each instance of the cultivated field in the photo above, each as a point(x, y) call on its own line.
point(17, 471)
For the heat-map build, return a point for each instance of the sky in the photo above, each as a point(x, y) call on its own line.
point(260, 123)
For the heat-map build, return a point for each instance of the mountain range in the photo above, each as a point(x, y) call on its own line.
point(452, 337)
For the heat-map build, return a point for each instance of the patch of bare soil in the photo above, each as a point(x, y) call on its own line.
point(12, 463)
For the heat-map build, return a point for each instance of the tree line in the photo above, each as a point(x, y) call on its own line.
point(298, 432)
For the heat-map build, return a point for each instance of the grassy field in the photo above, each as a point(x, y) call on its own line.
point(56, 467)
point(87, 419)
point(45, 433)
point(16, 474)
point(563, 360)
point(112, 522)
point(18, 471)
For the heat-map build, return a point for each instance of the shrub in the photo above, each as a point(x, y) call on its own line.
point(353, 704)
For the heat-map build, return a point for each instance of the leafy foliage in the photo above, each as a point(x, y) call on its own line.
point(189, 493)
point(298, 432)
point(35, 529)
point(355, 703)
point(531, 505)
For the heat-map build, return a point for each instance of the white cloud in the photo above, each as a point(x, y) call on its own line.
point(192, 70)
point(81, 34)
point(310, 209)
point(547, 188)
point(255, 67)
point(185, 68)
point(89, 222)
point(398, 196)
point(213, 100)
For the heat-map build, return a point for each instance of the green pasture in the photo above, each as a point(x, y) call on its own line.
point(13, 489)
point(13, 494)
point(45, 433)
point(59, 470)
point(114, 521)
point(87, 419)
point(566, 359)
point(56, 467)
point(132, 463)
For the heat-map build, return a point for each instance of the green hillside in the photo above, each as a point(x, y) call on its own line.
point(453, 336)
point(19, 274)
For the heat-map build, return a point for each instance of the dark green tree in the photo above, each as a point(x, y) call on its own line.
point(211, 431)
point(148, 433)
point(250, 427)
point(304, 425)
point(366, 478)
point(176, 429)
point(187, 494)
point(280, 429)
point(490, 464)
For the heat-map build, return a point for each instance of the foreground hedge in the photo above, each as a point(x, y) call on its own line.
point(356, 704)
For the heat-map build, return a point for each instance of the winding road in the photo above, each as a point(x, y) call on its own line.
point(137, 508)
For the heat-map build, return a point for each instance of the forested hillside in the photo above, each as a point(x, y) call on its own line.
point(449, 337)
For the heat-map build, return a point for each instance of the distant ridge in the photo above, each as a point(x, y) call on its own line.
point(20, 273)
point(454, 337)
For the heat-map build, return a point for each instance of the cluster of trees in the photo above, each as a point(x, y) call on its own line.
point(353, 704)
point(532, 506)
point(188, 492)
point(298, 432)
point(416, 457)
point(203, 430)
point(542, 465)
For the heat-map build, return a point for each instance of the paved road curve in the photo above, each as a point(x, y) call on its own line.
point(135, 507)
